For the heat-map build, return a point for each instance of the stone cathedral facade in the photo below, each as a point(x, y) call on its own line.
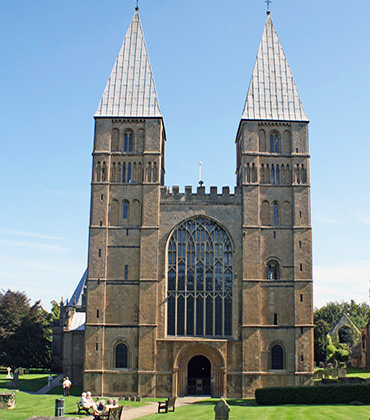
point(206, 293)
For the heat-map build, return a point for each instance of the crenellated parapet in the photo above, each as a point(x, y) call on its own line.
point(173, 195)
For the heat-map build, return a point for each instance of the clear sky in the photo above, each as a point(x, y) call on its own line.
point(56, 57)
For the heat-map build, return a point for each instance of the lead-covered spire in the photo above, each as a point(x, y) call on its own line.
point(272, 94)
point(130, 91)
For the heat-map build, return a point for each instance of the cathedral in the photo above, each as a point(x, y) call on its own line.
point(198, 292)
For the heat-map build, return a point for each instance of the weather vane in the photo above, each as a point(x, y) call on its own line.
point(268, 6)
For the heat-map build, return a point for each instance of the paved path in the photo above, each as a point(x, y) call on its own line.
point(152, 408)
point(44, 390)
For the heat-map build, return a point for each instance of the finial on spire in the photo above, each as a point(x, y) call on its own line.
point(137, 5)
point(268, 6)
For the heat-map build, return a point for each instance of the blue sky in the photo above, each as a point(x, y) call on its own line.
point(56, 58)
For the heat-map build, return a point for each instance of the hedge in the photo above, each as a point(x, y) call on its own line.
point(333, 394)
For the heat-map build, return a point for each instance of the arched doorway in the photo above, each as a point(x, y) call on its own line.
point(199, 376)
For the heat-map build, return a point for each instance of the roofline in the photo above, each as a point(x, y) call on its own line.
point(270, 121)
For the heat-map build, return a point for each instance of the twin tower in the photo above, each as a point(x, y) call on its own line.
point(199, 293)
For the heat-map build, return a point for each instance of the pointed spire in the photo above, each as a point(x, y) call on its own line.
point(130, 91)
point(272, 93)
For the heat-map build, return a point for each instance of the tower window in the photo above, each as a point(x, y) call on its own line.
point(273, 271)
point(97, 313)
point(99, 253)
point(276, 213)
point(274, 234)
point(128, 141)
point(125, 210)
point(274, 143)
point(126, 272)
point(121, 356)
point(300, 267)
point(277, 357)
point(300, 244)
point(129, 173)
point(301, 298)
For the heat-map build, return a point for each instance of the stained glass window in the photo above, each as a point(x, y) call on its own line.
point(199, 280)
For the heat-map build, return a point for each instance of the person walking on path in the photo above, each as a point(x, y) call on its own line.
point(66, 385)
point(50, 380)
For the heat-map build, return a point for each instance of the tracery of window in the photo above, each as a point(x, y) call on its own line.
point(274, 143)
point(199, 280)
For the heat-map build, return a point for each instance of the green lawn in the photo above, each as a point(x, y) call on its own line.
point(247, 411)
point(31, 382)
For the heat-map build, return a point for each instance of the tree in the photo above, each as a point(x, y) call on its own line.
point(25, 331)
point(325, 319)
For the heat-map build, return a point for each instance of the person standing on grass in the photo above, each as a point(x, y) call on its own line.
point(66, 385)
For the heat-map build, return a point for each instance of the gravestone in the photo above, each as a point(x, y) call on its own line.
point(342, 373)
point(16, 380)
point(9, 375)
point(330, 366)
point(222, 410)
point(334, 374)
point(326, 374)
point(321, 365)
point(138, 398)
point(320, 374)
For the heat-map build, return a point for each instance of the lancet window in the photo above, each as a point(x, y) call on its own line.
point(199, 280)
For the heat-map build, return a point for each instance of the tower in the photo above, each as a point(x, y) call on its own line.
point(273, 173)
point(128, 170)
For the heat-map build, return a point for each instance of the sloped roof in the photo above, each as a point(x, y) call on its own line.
point(76, 298)
point(272, 93)
point(130, 91)
point(78, 322)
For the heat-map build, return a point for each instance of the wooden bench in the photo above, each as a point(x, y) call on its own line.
point(82, 409)
point(114, 413)
point(166, 405)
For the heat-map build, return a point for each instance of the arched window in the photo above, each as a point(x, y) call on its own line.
point(129, 172)
point(104, 172)
point(274, 143)
point(199, 280)
point(128, 141)
point(125, 210)
point(262, 141)
point(276, 213)
point(121, 356)
point(265, 213)
point(277, 174)
point(272, 174)
point(277, 357)
point(124, 172)
point(273, 270)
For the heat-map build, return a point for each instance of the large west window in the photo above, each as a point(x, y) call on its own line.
point(199, 280)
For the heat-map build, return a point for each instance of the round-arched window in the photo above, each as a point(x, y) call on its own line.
point(199, 279)
point(121, 356)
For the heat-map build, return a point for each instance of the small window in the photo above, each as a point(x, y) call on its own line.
point(300, 267)
point(301, 298)
point(277, 357)
point(301, 330)
point(302, 358)
point(101, 223)
point(102, 197)
point(276, 213)
point(300, 244)
point(126, 232)
point(129, 173)
point(274, 234)
point(97, 313)
point(273, 271)
point(125, 210)
point(126, 272)
point(96, 346)
point(274, 143)
point(275, 319)
point(121, 356)
point(99, 253)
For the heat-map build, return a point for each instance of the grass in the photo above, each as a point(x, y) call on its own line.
point(28, 405)
point(240, 410)
point(29, 383)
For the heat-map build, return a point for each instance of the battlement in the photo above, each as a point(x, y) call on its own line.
point(168, 194)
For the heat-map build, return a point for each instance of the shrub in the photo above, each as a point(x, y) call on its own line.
point(334, 394)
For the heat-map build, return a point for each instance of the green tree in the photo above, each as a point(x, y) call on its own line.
point(325, 319)
point(25, 332)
